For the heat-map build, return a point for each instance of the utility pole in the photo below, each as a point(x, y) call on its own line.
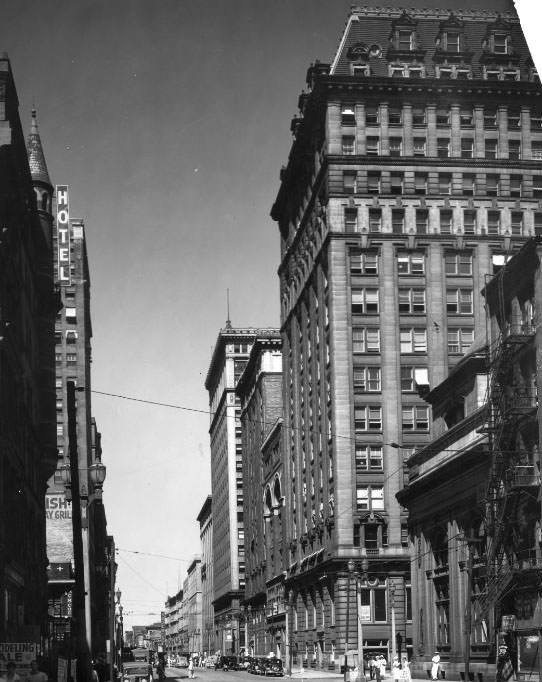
point(393, 642)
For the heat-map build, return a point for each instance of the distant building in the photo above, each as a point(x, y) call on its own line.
point(260, 392)
point(205, 520)
point(192, 607)
point(28, 305)
point(415, 168)
point(173, 625)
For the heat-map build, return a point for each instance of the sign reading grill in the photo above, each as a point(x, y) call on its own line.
point(63, 234)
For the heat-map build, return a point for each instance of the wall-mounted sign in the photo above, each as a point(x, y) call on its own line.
point(20, 653)
point(58, 522)
point(63, 234)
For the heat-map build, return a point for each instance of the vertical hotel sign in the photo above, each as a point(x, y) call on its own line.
point(63, 234)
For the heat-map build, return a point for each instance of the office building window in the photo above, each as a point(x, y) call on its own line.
point(71, 359)
point(413, 340)
point(410, 263)
point(367, 380)
point(458, 264)
point(370, 497)
point(422, 221)
point(491, 149)
point(415, 418)
point(364, 263)
point(514, 150)
point(467, 146)
point(419, 116)
point(366, 340)
point(517, 223)
point(514, 119)
point(446, 221)
point(372, 147)
point(348, 115)
point(365, 301)
point(412, 301)
point(451, 41)
point(490, 118)
point(349, 182)
point(395, 115)
point(465, 118)
point(537, 186)
point(443, 147)
point(493, 222)
point(420, 183)
point(538, 223)
point(516, 186)
point(536, 119)
point(373, 602)
point(443, 117)
point(444, 183)
point(419, 146)
point(468, 184)
point(396, 183)
point(536, 150)
point(411, 377)
point(375, 220)
point(469, 222)
point(369, 457)
point(368, 418)
point(459, 301)
point(396, 146)
point(373, 182)
point(459, 339)
point(371, 116)
point(348, 144)
point(350, 219)
point(398, 220)
point(492, 185)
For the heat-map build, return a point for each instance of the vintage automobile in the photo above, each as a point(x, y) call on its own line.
point(226, 663)
point(273, 667)
point(136, 671)
point(257, 666)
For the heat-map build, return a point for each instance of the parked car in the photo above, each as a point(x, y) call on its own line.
point(210, 661)
point(257, 666)
point(226, 663)
point(244, 663)
point(273, 667)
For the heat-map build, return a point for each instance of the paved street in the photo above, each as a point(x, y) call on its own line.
point(211, 675)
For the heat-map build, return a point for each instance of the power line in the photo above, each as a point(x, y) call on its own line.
point(161, 556)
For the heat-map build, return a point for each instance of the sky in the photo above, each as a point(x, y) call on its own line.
point(169, 120)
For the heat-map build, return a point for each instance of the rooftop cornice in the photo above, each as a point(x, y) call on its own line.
point(432, 13)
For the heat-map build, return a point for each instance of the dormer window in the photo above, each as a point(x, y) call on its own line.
point(360, 69)
point(451, 41)
point(405, 40)
point(500, 43)
point(397, 71)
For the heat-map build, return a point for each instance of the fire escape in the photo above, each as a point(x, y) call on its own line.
point(512, 406)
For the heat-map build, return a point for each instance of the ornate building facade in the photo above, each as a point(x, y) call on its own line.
point(415, 168)
point(29, 303)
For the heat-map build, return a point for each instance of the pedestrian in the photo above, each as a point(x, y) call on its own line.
point(11, 673)
point(35, 674)
point(191, 668)
point(378, 669)
point(371, 666)
point(435, 667)
point(383, 664)
point(505, 669)
point(396, 669)
point(405, 670)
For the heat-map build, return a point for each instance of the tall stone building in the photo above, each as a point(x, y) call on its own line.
point(28, 305)
point(260, 392)
point(205, 520)
point(227, 363)
point(79, 476)
point(415, 167)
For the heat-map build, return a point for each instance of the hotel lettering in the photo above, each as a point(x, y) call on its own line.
point(63, 234)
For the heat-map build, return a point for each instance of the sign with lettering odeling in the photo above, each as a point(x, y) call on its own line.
point(63, 234)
